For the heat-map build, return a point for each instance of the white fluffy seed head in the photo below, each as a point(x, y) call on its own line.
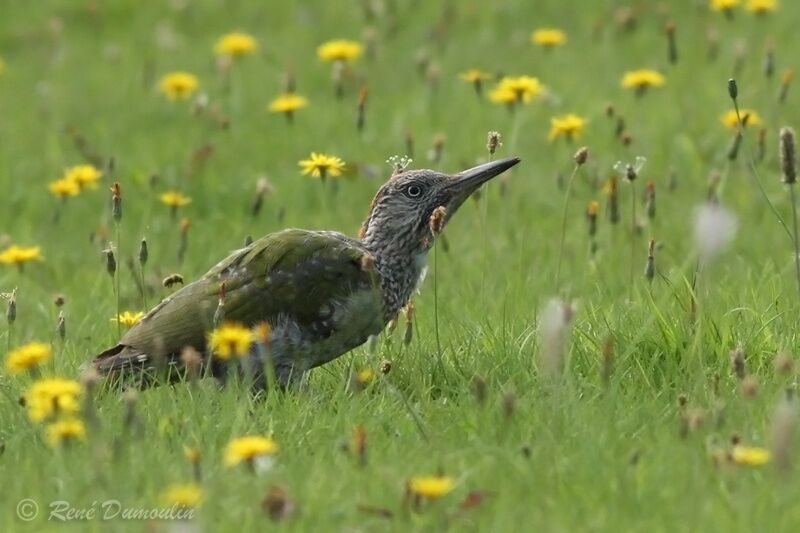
point(714, 229)
point(554, 327)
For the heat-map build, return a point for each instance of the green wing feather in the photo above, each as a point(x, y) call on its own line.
point(292, 272)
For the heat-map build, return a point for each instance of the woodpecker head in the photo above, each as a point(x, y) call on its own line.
point(401, 211)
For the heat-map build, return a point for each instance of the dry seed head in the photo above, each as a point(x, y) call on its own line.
point(116, 201)
point(788, 155)
point(385, 367)
point(437, 220)
point(61, 326)
point(750, 386)
point(737, 363)
point(493, 141)
point(784, 364)
point(581, 155)
point(111, 262)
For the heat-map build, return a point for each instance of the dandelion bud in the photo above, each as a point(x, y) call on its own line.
point(581, 156)
point(61, 326)
point(509, 404)
point(787, 155)
point(435, 155)
point(608, 360)
point(620, 127)
point(733, 149)
point(362, 105)
point(11, 309)
point(762, 144)
point(192, 361)
point(610, 110)
point(784, 364)
point(733, 89)
point(786, 81)
point(650, 268)
point(650, 199)
point(59, 300)
point(769, 60)
point(672, 47)
point(493, 141)
point(479, 389)
point(144, 254)
point(784, 429)
point(737, 363)
point(683, 400)
point(613, 200)
point(591, 217)
point(111, 263)
point(437, 220)
point(409, 138)
point(750, 386)
point(116, 202)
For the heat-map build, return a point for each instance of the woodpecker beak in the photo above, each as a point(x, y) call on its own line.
point(467, 182)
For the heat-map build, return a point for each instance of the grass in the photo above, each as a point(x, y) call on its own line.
point(574, 454)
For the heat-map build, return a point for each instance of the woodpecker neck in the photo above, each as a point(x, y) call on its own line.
point(401, 262)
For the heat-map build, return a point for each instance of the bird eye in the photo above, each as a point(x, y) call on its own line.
point(413, 191)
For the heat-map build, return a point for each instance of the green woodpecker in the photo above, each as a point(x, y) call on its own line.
point(321, 292)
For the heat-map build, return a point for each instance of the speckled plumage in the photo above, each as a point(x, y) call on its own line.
point(321, 292)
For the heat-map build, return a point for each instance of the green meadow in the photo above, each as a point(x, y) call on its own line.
point(549, 379)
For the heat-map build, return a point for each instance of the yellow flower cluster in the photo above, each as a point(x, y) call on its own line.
point(235, 44)
point(569, 126)
point(516, 89)
point(178, 85)
point(431, 487)
point(339, 50)
point(749, 118)
point(175, 199)
point(52, 396)
point(549, 37)
point(128, 318)
point(230, 339)
point(249, 448)
point(322, 165)
point(27, 357)
point(74, 180)
point(188, 495)
point(642, 79)
point(19, 255)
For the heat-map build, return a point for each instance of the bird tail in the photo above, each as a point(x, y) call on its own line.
point(127, 366)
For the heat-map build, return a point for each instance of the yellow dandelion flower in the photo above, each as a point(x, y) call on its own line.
point(83, 175)
point(19, 255)
point(642, 79)
point(175, 199)
point(761, 7)
point(230, 339)
point(261, 332)
point(431, 487)
point(548, 37)
point(750, 455)
point(569, 126)
point(322, 165)
point(178, 85)
point(288, 103)
point(249, 448)
point(64, 187)
point(128, 318)
point(593, 208)
point(365, 376)
point(474, 75)
point(515, 89)
point(50, 396)
point(723, 5)
point(27, 356)
point(235, 44)
point(66, 430)
point(188, 495)
point(749, 118)
point(339, 50)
